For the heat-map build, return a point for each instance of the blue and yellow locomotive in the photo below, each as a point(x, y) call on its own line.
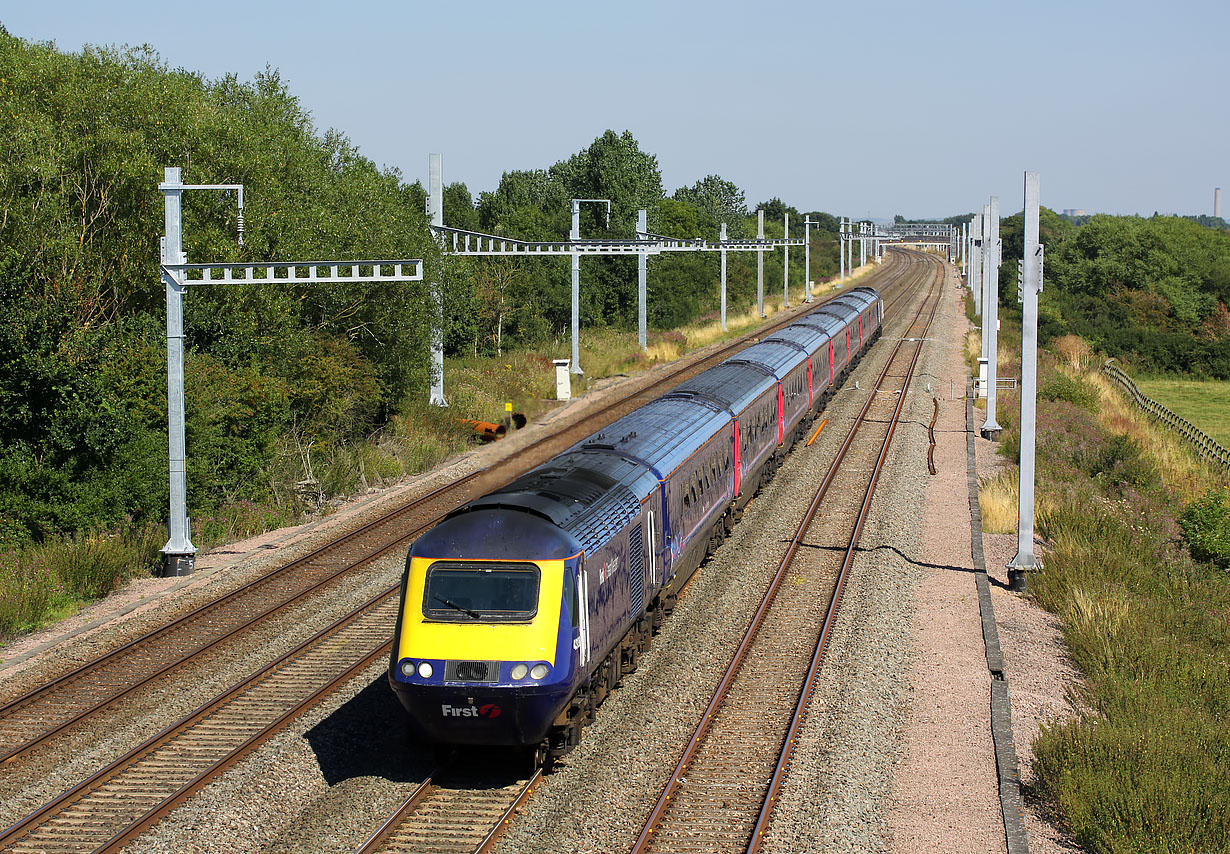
point(523, 609)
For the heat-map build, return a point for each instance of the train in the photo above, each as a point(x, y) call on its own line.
point(521, 610)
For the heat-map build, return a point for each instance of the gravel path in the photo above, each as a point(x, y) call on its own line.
point(945, 789)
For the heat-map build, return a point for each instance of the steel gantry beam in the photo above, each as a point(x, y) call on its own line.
point(864, 232)
point(459, 241)
point(179, 554)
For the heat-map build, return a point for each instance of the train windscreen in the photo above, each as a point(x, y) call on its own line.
point(481, 592)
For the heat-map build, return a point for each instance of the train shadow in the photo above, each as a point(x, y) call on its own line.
point(368, 736)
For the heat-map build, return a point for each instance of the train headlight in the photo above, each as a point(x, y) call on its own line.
point(539, 671)
point(425, 669)
point(519, 671)
point(407, 668)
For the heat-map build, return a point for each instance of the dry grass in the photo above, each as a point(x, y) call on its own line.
point(1105, 610)
point(1179, 468)
point(998, 499)
point(973, 349)
point(1075, 352)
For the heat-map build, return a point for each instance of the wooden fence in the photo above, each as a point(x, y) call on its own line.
point(1205, 446)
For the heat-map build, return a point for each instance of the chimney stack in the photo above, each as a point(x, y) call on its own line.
point(1217, 201)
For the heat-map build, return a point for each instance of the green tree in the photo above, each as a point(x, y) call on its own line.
point(720, 200)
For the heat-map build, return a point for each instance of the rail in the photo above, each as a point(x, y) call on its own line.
point(1205, 445)
point(726, 784)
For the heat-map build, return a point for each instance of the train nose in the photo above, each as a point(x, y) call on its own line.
point(453, 715)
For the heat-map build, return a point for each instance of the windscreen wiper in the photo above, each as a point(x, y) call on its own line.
point(473, 614)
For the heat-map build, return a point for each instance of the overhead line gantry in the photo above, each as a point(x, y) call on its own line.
point(466, 243)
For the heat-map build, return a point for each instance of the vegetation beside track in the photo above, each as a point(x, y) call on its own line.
point(1137, 535)
point(1152, 292)
point(295, 395)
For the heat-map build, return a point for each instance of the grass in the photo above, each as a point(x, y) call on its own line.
point(1144, 766)
point(53, 580)
point(1204, 403)
point(998, 498)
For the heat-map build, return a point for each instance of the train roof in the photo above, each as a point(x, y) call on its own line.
point(663, 433)
point(832, 317)
point(808, 337)
point(732, 385)
point(781, 357)
point(495, 533)
point(867, 296)
point(585, 496)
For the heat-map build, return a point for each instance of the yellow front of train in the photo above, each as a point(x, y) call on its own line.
point(484, 650)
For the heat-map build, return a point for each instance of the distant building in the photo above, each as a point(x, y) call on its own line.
point(1073, 211)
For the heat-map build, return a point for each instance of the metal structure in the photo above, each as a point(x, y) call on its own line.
point(760, 265)
point(575, 236)
point(642, 285)
point(941, 236)
point(975, 268)
point(722, 238)
point(990, 317)
point(459, 241)
point(864, 232)
point(1030, 287)
point(841, 251)
point(807, 224)
point(435, 213)
point(785, 262)
point(179, 554)
point(964, 248)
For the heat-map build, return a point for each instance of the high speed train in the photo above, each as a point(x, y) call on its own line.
point(521, 610)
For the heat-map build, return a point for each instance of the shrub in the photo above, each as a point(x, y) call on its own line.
point(1060, 386)
point(1206, 525)
point(50, 580)
point(1117, 460)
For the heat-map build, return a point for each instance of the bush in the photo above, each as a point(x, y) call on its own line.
point(1060, 386)
point(1142, 767)
point(1206, 525)
point(1117, 460)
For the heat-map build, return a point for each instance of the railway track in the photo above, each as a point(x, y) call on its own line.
point(135, 791)
point(42, 713)
point(36, 717)
point(109, 809)
point(458, 811)
point(721, 794)
point(467, 816)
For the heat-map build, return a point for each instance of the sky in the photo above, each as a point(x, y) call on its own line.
point(858, 109)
